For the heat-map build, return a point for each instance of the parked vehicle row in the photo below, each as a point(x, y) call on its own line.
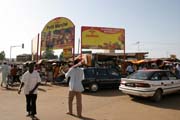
point(97, 78)
point(153, 83)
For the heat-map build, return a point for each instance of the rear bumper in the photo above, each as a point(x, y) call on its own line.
point(141, 93)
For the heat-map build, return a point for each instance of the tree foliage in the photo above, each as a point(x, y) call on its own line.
point(49, 54)
point(2, 55)
point(61, 57)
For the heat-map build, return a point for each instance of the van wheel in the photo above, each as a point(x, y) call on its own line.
point(94, 87)
point(157, 95)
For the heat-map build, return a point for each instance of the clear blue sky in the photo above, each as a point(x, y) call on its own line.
point(154, 23)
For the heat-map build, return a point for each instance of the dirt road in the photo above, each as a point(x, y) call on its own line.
point(103, 105)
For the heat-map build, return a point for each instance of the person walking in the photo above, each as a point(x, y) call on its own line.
point(76, 75)
point(5, 72)
point(129, 69)
point(55, 72)
point(178, 70)
point(49, 71)
point(30, 81)
point(13, 74)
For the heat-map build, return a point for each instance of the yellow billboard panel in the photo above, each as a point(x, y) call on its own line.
point(58, 34)
point(103, 38)
point(67, 52)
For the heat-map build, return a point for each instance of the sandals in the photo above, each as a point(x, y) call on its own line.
point(69, 113)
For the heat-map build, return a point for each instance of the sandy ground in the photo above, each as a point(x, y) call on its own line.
point(103, 105)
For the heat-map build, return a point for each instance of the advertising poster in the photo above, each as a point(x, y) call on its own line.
point(103, 38)
point(58, 34)
point(67, 52)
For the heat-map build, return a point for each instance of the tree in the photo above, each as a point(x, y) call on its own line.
point(49, 54)
point(2, 55)
point(61, 57)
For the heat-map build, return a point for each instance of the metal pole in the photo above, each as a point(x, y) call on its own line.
point(37, 55)
point(10, 54)
point(11, 50)
point(78, 44)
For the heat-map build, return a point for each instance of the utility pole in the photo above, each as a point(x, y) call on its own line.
point(78, 44)
point(138, 45)
point(14, 47)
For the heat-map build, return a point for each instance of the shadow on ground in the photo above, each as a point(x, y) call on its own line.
point(105, 92)
point(167, 102)
point(83, 117)
point(41, 89)
point(12, 89)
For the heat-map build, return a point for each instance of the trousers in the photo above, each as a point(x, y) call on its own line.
point(31, 103)
point(78, 101)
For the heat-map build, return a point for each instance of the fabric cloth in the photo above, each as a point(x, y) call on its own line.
point(76, 75)
point(30, 80)
point(13, 71)
point(178, 67)
point(56, 72)
point(129, 69)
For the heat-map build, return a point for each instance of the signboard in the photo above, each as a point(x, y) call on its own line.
point(67, 52)
point(58, 33)
point(103, 38)
point(173, 56)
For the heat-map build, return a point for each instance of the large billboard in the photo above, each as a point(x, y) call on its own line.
point(102, 38)
point(58, 33)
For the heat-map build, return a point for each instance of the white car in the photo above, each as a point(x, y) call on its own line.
point(150, 83)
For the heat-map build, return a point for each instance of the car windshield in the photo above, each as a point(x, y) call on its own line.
point(141, 75)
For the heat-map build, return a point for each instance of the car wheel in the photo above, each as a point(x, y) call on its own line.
point(157, 95)
point(94, 87)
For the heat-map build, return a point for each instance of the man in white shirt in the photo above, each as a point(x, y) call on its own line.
point(76, 75)
point(5, 72)
point(30, 81)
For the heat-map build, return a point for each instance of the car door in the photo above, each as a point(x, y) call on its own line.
point(102, 76)
point(89, 76)
point(175, 82)
point(160, 80)
point(114, 76)
point(166, 83)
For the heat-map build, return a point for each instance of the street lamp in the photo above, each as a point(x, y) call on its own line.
point(22, 46)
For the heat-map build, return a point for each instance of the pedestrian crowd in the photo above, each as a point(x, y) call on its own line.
point(173, 67)
point(31, 79)
point(33, 74)
point(10, 74)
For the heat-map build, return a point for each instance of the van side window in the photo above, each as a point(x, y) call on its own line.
point(89, 73)
point(113, 72)
point(102, 73)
